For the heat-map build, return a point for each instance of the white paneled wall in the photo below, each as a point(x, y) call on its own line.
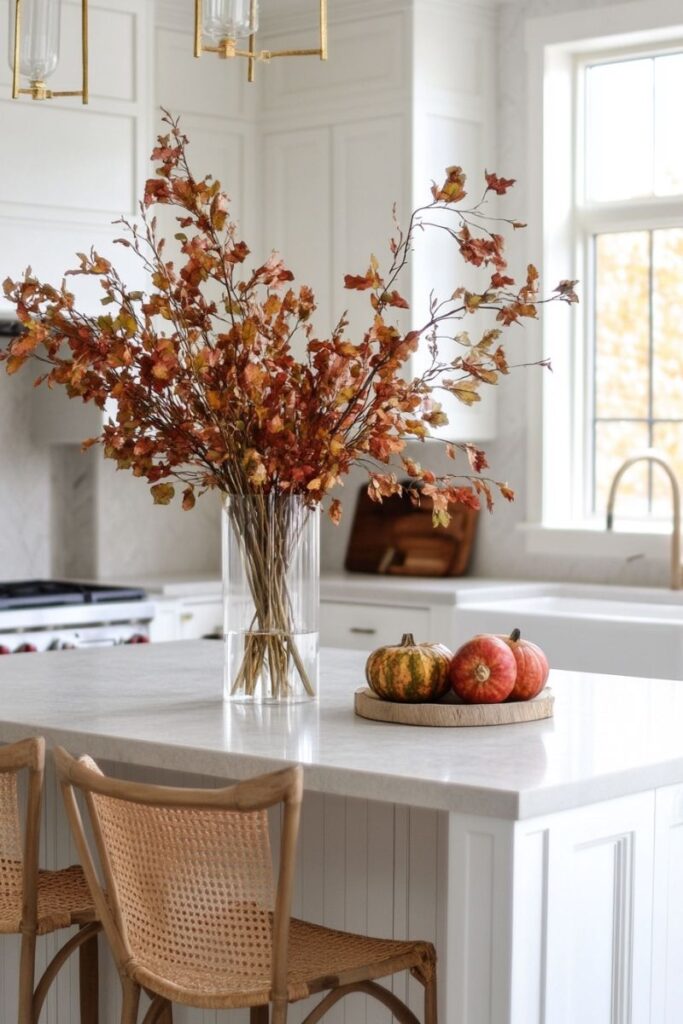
point(402, 97)
point(67, 172)
point(217, 113)
point(336, 149)
point(70, 170)
point(297, 208)
point(455, 119)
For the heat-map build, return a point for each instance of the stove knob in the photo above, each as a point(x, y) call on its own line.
point(138, 638)
point(4, 650)
point(26, 649)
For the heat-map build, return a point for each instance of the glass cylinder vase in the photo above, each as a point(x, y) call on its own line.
point(271, 587)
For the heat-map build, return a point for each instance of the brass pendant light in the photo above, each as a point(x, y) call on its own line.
point(223, 22)
point(34, 30)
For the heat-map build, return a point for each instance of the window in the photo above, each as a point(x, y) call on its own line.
point(603, 163)
point(629, 217)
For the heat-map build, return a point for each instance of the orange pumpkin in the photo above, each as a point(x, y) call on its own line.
point(409, 672)
point(532, 667)
point(483, 671)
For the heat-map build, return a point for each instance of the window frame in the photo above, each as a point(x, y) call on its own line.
point(562, 227)
point(644, 213)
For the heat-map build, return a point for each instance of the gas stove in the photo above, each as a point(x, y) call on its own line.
point(42, 593)
point(50, 615)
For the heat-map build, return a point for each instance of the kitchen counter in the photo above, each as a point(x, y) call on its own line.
point(342, 586)
point(551, 849)
point(160, 705)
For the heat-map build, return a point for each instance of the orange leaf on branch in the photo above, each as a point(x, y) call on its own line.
point(498, 185)
point(162, 493)
point(453, 188)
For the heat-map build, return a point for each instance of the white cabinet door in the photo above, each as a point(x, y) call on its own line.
point(667, 926)
point(582, 937)
point(366, 626)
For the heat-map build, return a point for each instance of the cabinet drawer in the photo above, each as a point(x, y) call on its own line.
point(199, 618)
point(366, 626)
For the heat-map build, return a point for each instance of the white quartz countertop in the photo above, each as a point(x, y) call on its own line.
point(414, 591)
point(160, 705)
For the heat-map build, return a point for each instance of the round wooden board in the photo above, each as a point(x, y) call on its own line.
point(450, 713)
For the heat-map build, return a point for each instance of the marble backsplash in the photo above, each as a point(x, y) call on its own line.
point(105, 524)
point(136, 536)
point(25, 494)
point(65, 513)
point(74, 501)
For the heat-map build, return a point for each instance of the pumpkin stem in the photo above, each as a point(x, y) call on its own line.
point(515, 635)
point(482, 672)
point(407, 640)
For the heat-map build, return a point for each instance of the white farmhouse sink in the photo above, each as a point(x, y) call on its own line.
point(618, 630)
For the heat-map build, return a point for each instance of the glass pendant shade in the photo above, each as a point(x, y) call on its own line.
point(40, 29)
point(229, 19)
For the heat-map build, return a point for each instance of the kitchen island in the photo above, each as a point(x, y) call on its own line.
point(545, 860)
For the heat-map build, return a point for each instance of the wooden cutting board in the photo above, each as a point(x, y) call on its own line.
point(397, 538)
point(448, 712)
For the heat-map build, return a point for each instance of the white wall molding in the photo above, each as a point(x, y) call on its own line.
point(174, 14)
point(301, 13)
point(369, 66)
point(613, 24)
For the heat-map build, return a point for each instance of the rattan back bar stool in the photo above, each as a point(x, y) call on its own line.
point(194, 914)
point(35, 902)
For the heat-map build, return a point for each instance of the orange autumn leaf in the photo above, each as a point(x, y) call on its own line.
point(15, 363)
point(162, 493)
point(453, 188)
point(498, 185)
point(394, 299)
point(335, 511)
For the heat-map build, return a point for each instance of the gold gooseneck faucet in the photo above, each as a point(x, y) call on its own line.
point(656, 458)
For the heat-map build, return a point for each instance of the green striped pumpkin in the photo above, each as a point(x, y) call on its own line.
point(409, 672)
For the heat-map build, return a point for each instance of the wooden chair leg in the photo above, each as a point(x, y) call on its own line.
point(27, 978)
point(88, 981)
point(160, 1010)
point(430, 1000)
point(259, 1015)
point(131, 1002)
point(166, 1016)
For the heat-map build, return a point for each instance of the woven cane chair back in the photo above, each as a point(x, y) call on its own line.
point(11, 872)
point(194, 888)
point(19, 847)
point(10, 828)
point(189, 878)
